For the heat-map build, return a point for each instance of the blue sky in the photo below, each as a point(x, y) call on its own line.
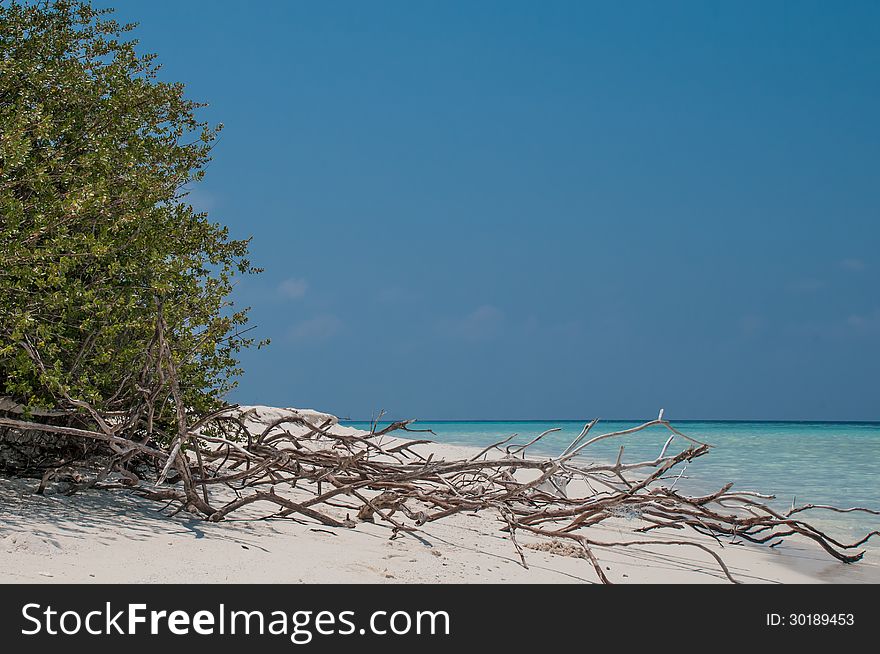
point(546, 210)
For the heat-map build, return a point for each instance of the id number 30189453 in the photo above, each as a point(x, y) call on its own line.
point(810, 619)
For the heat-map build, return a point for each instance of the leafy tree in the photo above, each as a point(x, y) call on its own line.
point(96, 234)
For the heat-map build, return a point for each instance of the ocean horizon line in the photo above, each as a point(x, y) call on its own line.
point(636, 420)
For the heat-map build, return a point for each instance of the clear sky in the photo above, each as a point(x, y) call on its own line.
point(546, 210)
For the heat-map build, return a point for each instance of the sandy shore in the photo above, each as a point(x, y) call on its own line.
point(112, 537)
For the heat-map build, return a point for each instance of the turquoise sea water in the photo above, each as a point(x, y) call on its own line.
point(834, 463)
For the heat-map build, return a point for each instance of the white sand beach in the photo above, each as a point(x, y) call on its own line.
point(114, 537)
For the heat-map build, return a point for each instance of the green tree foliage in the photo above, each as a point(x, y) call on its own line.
point(96, 154)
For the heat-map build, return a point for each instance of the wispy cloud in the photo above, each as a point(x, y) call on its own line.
point(397, 295)
point(315, 330)
point(293, 288)
point(201, 200)
point(868, 322)
point(853, 264)
point(809, 286)
point(751, 324)
point(482, 323)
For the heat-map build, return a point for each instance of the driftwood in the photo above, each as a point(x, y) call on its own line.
point(214, 465)
point(381, 480)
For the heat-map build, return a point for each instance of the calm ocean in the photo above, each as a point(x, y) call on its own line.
point(817, 462)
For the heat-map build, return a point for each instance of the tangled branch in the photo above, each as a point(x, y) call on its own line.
point(308, 467)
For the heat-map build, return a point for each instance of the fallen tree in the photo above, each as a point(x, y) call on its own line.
point(307, 467)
